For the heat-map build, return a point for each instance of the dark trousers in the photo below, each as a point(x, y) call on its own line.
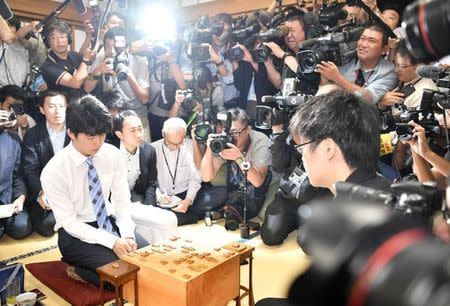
point(87, 257)
point(279, 221)
point(42, 220)
point(156, 125)
point(18, 226)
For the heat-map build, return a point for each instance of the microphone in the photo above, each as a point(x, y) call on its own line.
point(122, 4)
point(5, 11)
point(308, 43)
point(279, 31)
point(431, 72)
point(80, 6)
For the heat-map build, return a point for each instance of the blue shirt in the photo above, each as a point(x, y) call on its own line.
point(9, 166)
point(378, 80)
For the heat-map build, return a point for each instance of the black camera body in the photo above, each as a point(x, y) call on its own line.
point(121, 66)
point(235, 53)
point(190, 100)
point(219, 142)
point(201, 35)
point(339, 48)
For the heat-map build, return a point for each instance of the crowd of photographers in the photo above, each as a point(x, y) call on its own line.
point(245, 90)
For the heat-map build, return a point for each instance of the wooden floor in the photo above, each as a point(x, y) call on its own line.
point(274, 267)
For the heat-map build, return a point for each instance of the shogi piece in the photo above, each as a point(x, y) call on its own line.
point(182, 274)
point(118, 273)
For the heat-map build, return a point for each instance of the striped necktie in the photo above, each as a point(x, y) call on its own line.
point(96, 195)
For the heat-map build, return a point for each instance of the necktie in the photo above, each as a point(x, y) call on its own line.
point(96, 195)
point(360, 78)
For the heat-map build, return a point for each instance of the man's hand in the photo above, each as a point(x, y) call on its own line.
point(132, 243)
point(164, 199)
point(43, 201)
point(247, 56)
point(213, 56)
point(278, 128)
point(22, 120)
point(104, 67)
point(18, 204)
point(88, 54)
point(182, 206)
point(232, 153)
point(418, 142)
point(276, 49)
point(179, 96)
point(328, 70)
point(122, 246)
point(392, 97)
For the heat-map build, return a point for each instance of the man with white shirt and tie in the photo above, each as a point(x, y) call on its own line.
point(178, 178)
point(86, 187)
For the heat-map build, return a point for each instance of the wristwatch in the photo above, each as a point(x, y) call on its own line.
point(91, 76)
point(86, 62)
point(243, 163)
point(286, 54)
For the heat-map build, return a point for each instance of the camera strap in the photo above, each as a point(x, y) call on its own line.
point(234, 177)
point(173, 176)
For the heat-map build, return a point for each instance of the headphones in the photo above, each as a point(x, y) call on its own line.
point(50, 27)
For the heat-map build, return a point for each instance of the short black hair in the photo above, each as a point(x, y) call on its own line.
point(223, 17)
point(56, 25)
point(377, 28)
point(50, 93)
point(403, 52)
point(88, 115)
point(296, 14)
point(120, 118)
point(351, 123)
point(13, 91)
point(238, 114)
point(113, 101)
point(119, 15)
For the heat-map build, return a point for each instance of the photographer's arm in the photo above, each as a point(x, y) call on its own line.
point(23, 31)
point(218, 61)
point(289, 60)
point(210, 165)
point(77, 80)
point(179, 98)
point(5, 34)
point(174, 69)
point(273, 75)
point(92, 79)
point(141, 93)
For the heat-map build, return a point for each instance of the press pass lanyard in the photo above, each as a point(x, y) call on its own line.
point(174, 175)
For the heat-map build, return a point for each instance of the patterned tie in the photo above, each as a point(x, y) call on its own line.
point(96, 195)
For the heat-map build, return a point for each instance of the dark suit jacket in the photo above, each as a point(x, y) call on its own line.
point(146, 182)
point(36, 152)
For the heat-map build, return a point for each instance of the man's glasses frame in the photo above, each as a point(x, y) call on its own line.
point(300, 146)
point(237, 133)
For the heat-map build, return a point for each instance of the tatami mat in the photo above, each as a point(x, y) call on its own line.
point(273, 271)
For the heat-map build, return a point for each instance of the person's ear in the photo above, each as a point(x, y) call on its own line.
point(119, 134)
point(41, 109)
point(330, 148)
point(71, 134)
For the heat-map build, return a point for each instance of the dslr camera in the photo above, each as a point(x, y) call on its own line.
point(190, 100)
point(202, 34)
point(219, 142)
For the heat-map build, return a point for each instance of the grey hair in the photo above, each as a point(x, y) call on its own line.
point(174, 124)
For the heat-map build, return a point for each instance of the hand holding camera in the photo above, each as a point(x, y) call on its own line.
point(232, 152)
point(418, 142)
point(214, 57)
point(276, 49)
point(392, 97)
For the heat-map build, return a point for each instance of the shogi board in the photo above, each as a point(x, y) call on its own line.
point(180, 272)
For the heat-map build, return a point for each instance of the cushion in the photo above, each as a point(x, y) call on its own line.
point(53, 275)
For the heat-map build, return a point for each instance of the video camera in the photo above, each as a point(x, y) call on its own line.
point(378, 258)
point(200, 35)
point(338, 47)
point(274, 110)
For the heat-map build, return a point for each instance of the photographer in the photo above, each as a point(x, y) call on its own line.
point(369, 75)
point(64, 70)
point(248, 146)
point(123, 72)
point(423, 157)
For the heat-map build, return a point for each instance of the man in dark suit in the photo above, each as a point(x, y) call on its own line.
point(152, 223)
point(40, 144)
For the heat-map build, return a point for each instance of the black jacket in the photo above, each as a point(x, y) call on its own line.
point(36, 152)
point(146, 182)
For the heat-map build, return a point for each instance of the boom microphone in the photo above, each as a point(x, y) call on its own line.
point(5, 11)
point(431, 72)
point(80, 6)
point(279, 31)
point(268, 99)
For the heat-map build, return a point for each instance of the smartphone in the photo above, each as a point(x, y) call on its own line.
point(39, 293)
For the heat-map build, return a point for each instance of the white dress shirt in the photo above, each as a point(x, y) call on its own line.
point(132, 165)
point(64, 181)
point(187, 176)
point(57, 139)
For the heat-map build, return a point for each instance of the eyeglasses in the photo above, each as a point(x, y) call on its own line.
point(300, 147)
point(397, 66)
point(237, 133)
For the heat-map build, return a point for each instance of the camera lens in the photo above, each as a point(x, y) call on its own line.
point(218, 144)
point(235, 54)
point(427, 25)
point(189, 103)
point(202, 132)
point(18, 109)
point(260, 54)
point(231, 224)
point(264, 117)
point(309, 59)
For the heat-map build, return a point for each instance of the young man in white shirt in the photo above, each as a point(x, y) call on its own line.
point(152, 222)
point(86, 187)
